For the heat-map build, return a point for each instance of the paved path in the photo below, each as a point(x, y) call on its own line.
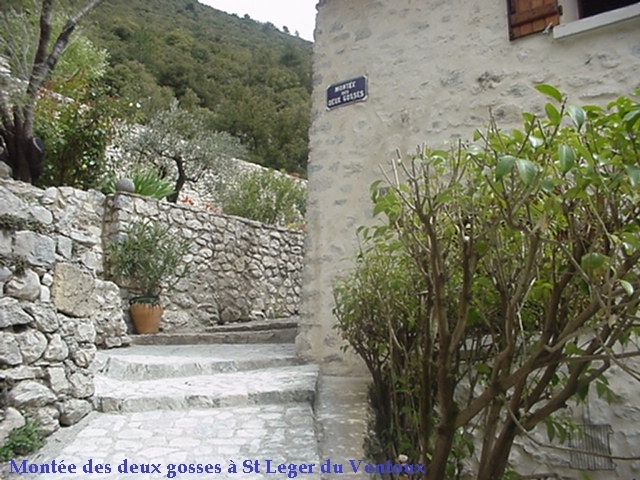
point(191, 412)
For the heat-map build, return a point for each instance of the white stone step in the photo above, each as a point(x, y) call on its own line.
point(149, 362)
point(236, 389)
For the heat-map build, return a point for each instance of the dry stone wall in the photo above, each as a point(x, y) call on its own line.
point(55, 310)
point(239, 269)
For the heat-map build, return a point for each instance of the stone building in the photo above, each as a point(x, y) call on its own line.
point(392, 75)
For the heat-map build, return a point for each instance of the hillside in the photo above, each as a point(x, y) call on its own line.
point(256, 79)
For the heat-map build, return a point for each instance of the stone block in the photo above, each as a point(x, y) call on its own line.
point(58, 380)
point(47, 418)
point(24, 287)
point(12, 205)
point(57, 350)
point(73, 291)
point(9, 349)
point(32, 344)
point(30, 394)
point(36, 248)
point(44, 316)
point(11, 313)
point(74, 410)
point(82, 385)
point(21, 372)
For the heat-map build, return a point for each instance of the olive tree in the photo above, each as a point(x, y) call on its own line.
point(32, 58)
point(181, 143)
point(503, 283)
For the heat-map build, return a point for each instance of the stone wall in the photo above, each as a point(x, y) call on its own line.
point(55, 310)
point(239, 270)
point(435, 69)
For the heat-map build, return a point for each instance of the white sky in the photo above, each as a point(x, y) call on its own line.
point(297, 15)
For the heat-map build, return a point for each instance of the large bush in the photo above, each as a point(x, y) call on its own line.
point(266, 196)
point(502, 284)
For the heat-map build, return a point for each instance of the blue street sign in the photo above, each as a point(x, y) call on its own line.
point(347, 92)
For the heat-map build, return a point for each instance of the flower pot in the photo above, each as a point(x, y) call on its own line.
point(145, 317)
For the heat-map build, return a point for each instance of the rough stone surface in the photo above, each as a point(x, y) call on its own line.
point(12, 313)
point(38, 249)
point(12, 419)
point(57, 350)
point(24, 287)
point(73, 290)
point(31, 394)
point(9, 349)
point(74, 410)
point(239, 269)
point(32, 344)
point(44, 316)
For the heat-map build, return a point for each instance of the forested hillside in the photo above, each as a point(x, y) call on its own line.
point(254, 78)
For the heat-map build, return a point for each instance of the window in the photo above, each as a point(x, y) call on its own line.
point(593, 451)
point(588, 8)
point(533, 16)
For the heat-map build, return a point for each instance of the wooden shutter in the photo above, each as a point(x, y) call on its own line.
point(531, 16)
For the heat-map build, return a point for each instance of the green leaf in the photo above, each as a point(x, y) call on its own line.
point(475, 150)
point(527, 170)
point(549, 91)
point(573, 349)
point(547, 185)
point(505, 165)
point(593, 261)
point(553, 114)
point(567, 158)
point(536, 142)
point(627, 287)
point(631, 118)
point(577, 114)
point(634, 175)
point(551, 431)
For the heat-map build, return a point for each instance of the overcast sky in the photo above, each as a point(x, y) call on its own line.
point(296, 15)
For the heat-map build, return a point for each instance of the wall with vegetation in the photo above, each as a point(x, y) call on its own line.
point(435, 70)
point(57, 308)
point(239, 269)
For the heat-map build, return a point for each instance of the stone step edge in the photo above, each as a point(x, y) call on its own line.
point(117, 401)
point(126, 369)
point(277, 335)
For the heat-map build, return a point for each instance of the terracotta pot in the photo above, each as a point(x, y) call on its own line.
point(146, 317)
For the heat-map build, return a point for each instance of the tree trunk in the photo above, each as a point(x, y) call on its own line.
point(24, 152)
point(180, 181)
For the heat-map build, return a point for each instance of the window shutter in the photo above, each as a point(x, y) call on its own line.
point(531, 16)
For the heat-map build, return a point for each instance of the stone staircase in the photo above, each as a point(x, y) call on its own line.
point(235, 396)
point(173, 377)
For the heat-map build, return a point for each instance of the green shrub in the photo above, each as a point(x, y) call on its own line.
point(501, 284)
point(22, 441)
point(147, 182)
point(148, 257)
point(266, 196)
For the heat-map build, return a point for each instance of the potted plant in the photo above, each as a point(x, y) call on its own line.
point(148, 258)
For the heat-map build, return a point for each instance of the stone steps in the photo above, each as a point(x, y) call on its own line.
point(255, 332)
point(144, 378)
point(151, 362)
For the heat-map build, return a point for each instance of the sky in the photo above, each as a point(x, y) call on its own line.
point(296, 15)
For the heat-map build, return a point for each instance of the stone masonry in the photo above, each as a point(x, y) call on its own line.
point(239, 270)
point(57, 309)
